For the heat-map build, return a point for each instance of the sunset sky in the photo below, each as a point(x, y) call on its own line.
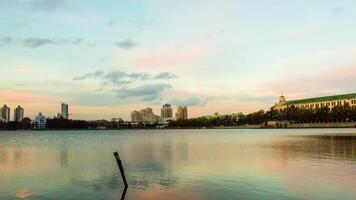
point(106, 58)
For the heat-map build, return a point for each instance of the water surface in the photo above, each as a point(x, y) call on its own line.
point(179, 164)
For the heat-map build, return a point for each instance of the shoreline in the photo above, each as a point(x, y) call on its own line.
point(179, 128)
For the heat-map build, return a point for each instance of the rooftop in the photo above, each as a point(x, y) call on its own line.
point(326, 98)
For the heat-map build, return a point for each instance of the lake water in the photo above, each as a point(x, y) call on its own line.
point(205, 164)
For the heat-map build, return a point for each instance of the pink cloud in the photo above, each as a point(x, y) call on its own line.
point(26, 68)
point(332, 80)
point(171, 57)
point(21, 96)
point(32, 102)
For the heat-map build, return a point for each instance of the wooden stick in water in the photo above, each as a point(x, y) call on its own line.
point(119, 163)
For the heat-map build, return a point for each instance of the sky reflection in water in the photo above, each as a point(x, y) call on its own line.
point(179, 164)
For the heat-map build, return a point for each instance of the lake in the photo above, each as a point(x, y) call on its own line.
point(202, 164)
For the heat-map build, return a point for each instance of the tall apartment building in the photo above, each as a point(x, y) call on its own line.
point(64, 111)
point(18, 114)
point(182, 113)
point(5, 113)
point(166, 113)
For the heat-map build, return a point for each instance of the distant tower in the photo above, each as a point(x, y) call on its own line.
point(282, 99)
point(18, 114)
point(5, 113)
point(166, 113)
point(64, 111)
point(40, 121)
point(182, 113)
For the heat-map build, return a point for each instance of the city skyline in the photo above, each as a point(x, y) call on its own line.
point(120, 56)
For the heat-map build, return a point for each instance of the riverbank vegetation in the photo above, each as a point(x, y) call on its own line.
point(60, 124)
point(295, 115)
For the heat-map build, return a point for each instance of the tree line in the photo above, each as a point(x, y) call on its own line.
point(293, 114)
point(59, 123)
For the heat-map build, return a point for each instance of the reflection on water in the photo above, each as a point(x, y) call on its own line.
point(179, 164)
point(334, 147)
point(63, 158)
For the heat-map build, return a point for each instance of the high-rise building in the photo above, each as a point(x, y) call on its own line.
point(40, 121)
point(182, 113)
point(18, 114)
point(64, 111)
point(5, 113)
point(144, 115)
point(166, 113)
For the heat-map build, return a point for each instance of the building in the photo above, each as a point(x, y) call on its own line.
point(64, 111)
point(18, 114)
point(136, 116)
point(145, 115)
point(166, 113)
point(40, 121)
point(182, 113)
point(317, 102)
point(5, 113)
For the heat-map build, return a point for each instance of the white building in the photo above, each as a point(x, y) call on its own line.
point(18, 114)
point(5, 113)
point(64, 111)
point(166, 113)
point(40, 121)
point(317, 102)
point(144, 115)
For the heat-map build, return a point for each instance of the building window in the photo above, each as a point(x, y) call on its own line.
point(339, 103)
point(306, 106)
point(322, 104)
point(317, 105)
point(312, 105)
point(327, 104)
point(333, 103)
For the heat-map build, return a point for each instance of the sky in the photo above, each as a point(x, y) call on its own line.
point(106, 58)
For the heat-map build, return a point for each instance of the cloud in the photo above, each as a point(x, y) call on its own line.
point(149, 92)
point(95, 74)
point(165, 75)
point(38, 5)
point(126, 44)
point(170, 57)
point(191, 101)
point(5, 41)
point(328, 81)
point(141, 85)
point(338, 10)
point(118, 78)
point(35, 42)
point(112, 22)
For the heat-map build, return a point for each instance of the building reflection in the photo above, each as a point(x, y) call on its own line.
point(317, 147)
point(4, 156)
point(17, 156)
point(63, 158)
